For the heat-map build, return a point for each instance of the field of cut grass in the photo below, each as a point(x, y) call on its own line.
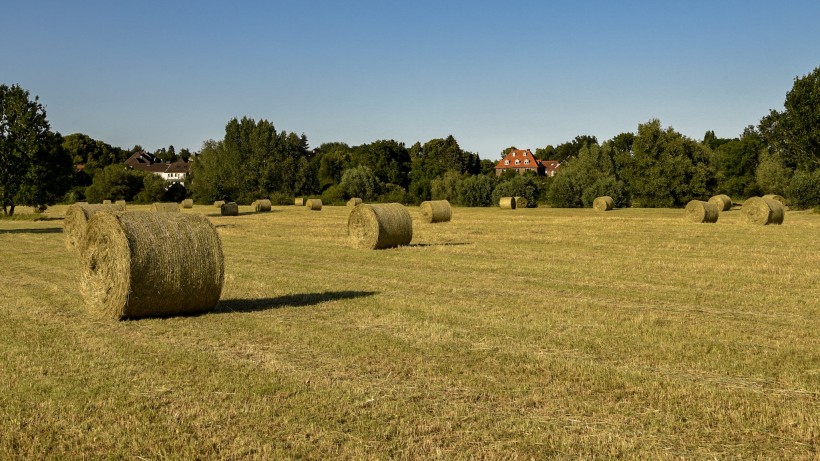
point(526, 334)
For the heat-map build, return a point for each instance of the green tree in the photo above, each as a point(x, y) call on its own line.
point(521, 185)
point(91, 153)
point(736, 162)
point(49, 176)
point(116, 182)
point(771, 175)
point(476, 190)
point(583, 178)
point(445, 187)
point(360, 182)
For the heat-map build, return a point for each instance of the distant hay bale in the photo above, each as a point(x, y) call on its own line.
point(166, 207)
point(763, 211)
point(375, 227)
point(188, 203)
point(507, 203)
point(299, 201)
point(603, 203)
point(219, 203)
point(76, 221)
point(229, 209)
point(701, 212)
point(520, 202)
point(434, 211)
point(779, 198)
point(106, 202)
point(354, 201)
point(141, 264)
point(722, 202)
point(262, 205)
point(120, 202)
point(314, 204)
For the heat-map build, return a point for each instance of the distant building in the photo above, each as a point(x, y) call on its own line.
point(521, 160)
point(169, 171)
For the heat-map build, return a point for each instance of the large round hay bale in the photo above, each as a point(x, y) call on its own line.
point(603, 203)
point(106, 202)
point(722, 202)
point(166, 207)
point(385, 225)
point(507, 203)
point(763, 211)
point(434, 211)
point(314, 204)
point(354, 201)
point(76, 221)
point(520, 202)
point(219, 203)
point(140, 264)
point(701, 212)
point(779, 198)
point(299, 201)
point(188, 203)
point(263, 205)
point(229, 209)
point(121, 203)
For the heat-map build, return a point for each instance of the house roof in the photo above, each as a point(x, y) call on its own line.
point(149, 162)
point(518, 158)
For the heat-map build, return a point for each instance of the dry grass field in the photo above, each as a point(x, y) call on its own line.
point(525, 334)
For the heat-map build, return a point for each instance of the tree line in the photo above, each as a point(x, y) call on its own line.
point(653, 167)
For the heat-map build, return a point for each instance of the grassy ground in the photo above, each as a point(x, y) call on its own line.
point(536, 333)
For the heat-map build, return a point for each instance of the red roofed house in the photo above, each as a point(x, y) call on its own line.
point(521, 160)
point(171, 172)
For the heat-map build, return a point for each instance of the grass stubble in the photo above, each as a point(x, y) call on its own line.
point(546, 333)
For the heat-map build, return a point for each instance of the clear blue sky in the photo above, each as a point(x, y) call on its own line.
point(491, 73)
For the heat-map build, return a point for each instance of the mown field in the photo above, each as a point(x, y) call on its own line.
point(527, 334)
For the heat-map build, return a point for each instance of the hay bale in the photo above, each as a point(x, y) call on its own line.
point(507, 203)
point(219, 203)
point(140, 264)
point(763, 211)
point(314, 204)
point(701, 212)
point(722, 202)
point(299, 201)
point(776, 197)
point(354, 201)
point(379, 226)
point(106, 202)
point(229, 209)
point(262, 205)
point(188, 203)
point(603, 203)
point(165, 207)
point(520, 202)
point(434, 211)
point(76, 221)
point(121, 203)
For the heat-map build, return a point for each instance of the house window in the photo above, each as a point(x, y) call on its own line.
point(517, 162)
point(527, 161)
point(506, 162)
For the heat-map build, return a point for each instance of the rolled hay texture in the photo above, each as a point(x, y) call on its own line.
point(375, 227)
point(166, 207)
point(141, 264)
point(507, 203)
point(701, 212)
point(779, 198)
point(434, 211)
point(299, 201)
point(314, 204)
point(263, 205)
point(219, 203)
point(722, 202)
point(354, 201)
point(604, 203)
point(520, 202)
point(229, 209)
point(120, 202)
point(763, 211)
point(106, 202)
point(188, 203)
point(76, 221)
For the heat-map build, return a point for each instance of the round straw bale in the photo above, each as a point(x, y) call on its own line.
point(76, 221)
point(219, 203)
point(603, 203)
point(229, 209)
point(779, 198)
point(106, 202)
point(722, 202)
point(120, 202)
point(140, 264)
point(166, 207)
point(520, 202)
point(507, 203)
point(314, 204)
point(434, 211)
point(354, 201)
point(299, 201)
point(188, 203)
point(263, 205)
point(379, 226)
point(763, 211)
point(701, 212)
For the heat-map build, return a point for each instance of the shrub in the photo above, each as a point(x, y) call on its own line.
point(803, 190)
point(476, 191)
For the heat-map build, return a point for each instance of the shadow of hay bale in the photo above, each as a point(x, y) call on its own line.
point(297, 300)
point(48, 230)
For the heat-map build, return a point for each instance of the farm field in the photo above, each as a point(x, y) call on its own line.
point(503, 334)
